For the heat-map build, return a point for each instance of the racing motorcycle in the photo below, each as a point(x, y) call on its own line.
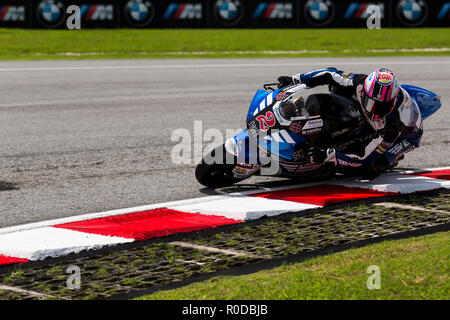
point(277, 138)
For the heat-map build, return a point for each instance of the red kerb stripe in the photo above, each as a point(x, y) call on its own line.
point(322, 195)
point(148, 224)
point(4, 260)
point(438, 174)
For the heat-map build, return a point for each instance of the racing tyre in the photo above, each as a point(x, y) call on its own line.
point(216, 175)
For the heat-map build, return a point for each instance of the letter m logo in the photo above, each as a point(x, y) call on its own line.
point(192, 11)
point(103, 12)
point(282, 11)
point(12, 13)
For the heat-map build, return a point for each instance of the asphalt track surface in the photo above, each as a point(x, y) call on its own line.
point(80, 137)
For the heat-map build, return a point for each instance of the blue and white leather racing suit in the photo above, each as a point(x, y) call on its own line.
point(401, 131)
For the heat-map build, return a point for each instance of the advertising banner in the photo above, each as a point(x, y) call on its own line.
point(52, 14)
point(354, 14)
point(164, 14)
point(15, 13)
point(421, 13)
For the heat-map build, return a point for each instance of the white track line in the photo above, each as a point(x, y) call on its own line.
point(408, 207)
point(27, 292)
point(191, 262)
point(38, 244)
point(205, 66)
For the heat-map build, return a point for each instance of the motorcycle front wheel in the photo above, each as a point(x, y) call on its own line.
point(216, 175)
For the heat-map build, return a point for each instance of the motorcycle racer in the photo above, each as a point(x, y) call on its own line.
point(387, 107)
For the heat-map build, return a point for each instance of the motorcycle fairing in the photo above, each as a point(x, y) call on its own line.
point(282, 143)
point(427, 101)
point(261, 100)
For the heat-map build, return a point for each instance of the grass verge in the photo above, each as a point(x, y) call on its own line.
point(414, 268)
point(18, 44)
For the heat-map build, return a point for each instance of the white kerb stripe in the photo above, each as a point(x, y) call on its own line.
point(397, 183)
point(41, 243)
point(245, 208)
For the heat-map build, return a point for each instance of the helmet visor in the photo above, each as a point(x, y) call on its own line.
point(375, 110)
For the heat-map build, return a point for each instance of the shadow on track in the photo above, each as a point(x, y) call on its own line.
point(8, 186)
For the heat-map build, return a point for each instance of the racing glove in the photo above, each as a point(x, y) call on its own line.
point(285, 81)
point(320, 156)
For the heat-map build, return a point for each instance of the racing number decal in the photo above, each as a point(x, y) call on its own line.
point(266, 121)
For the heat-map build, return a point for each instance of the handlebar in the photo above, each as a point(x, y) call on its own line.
point(269, 86)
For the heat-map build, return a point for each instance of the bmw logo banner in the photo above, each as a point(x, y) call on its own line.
point(164, 13)
point(52, 14)
point(138, 13)
point(319, 13)
point(283, 13)
point(421, 13)
point(228, 13)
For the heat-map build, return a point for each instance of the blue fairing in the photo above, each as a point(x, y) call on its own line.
point(242, 144)
point(260, 95)
point(280, 144)
point(280, 149)
point(427, 101)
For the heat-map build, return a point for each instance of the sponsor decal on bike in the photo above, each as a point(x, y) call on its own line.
point(311, 124)
point(402, 147)
point(295, 127)
point(412, 12)
point(280, 96)
point(183, 11)
point(297, 155)
point(273, 10)
point(319, 12)
point(311, 132)
point(266, 121)
point(348, 164)
point(12, 13)
point(228, 12)
point(139, 13)
point(50, 13)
